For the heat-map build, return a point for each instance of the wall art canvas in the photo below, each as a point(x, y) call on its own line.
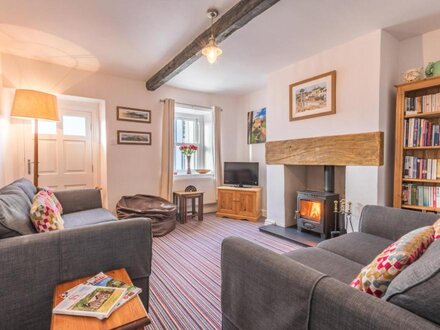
point(313, 97)
point(130, 137)
point(132, 114)
point(257, 126)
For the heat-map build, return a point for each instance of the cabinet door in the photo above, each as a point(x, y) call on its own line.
point(226, 201)
point(247, 203)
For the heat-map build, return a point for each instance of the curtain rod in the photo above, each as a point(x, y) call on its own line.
point(188, 105)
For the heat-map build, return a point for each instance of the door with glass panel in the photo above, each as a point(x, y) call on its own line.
point(65, 148)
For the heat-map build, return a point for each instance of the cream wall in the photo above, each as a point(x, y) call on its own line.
point(366, 72)
point(131, 169)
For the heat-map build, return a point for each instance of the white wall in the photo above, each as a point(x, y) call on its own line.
point(252, 152)
point(131, 169)
point(419, 51)
point(360, 108)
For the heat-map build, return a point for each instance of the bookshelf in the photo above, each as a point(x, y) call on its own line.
point(417, 146)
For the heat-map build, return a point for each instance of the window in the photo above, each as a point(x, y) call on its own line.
point(73, 125)
point(46, 127)
point(193, 125)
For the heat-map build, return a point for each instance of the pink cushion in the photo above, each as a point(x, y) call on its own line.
point(375, 278)
point(45, 215)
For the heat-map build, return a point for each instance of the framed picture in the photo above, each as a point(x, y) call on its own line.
point(313, 97)
point(130, 137)
point(132, 114)
point(257, 126)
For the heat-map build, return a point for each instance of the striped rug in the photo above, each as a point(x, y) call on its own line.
point(185, 280)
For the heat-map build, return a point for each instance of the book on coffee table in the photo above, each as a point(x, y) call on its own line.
point(89, 300)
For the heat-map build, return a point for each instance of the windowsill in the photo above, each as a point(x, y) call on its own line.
point(194, 176)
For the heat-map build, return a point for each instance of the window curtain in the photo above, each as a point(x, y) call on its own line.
point(167, 167)
point(217, 147)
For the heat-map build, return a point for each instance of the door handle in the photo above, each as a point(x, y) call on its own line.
point(29, 166)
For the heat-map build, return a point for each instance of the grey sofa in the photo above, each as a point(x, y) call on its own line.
point(309, 288)
point(31, 264)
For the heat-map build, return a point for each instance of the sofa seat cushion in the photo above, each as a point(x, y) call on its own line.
point(359, 247)
point(327, 262)
point(88, 217)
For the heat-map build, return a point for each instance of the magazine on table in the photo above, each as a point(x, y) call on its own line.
point(104, 280)
point(90, 300)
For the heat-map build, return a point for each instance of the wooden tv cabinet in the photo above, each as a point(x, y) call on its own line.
point(239, 203)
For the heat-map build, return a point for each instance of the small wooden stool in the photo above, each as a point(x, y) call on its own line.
point(180, 198)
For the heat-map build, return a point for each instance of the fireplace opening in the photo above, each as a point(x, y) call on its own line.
point(315, 208)
point(310, 210)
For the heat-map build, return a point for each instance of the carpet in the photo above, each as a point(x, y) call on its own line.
point(185, 282)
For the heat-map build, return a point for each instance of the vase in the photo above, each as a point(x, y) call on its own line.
point(188, 164)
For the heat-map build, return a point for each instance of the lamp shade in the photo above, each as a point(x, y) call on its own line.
point(35, 105)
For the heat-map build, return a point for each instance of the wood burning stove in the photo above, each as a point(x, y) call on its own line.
point(315, 208)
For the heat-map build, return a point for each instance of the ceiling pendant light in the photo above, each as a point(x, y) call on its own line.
point(211, 50)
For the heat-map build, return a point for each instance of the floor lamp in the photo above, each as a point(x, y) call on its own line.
point(30, 104)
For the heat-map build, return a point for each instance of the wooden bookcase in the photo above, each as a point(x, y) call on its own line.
point(418, 88)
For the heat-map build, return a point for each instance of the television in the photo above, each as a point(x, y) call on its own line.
point(241, 173)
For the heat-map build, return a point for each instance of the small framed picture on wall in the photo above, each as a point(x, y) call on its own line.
point(134, 138)
point(134, 115)
point(313, 97)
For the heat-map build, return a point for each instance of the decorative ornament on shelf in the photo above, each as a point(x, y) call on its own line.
point(413, 74)
point(188, 150)
point(211, 50)
point(433, 69)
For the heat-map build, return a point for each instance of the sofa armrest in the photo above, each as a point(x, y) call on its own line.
point(79, 200)
point(336, 306)
point(262, 289)
point(32, 265)
point(392, 223)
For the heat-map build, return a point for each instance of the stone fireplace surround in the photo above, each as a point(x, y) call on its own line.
point(291, 167)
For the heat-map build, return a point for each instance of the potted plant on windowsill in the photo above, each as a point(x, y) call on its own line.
point(188, 150)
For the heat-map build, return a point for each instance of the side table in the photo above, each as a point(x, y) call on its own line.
point(132, 315)
point(180, 198)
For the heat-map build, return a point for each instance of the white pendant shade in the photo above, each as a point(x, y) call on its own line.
point(211, 51)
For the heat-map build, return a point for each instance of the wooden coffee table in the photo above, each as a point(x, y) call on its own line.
point(180, 199)
point(131, 315)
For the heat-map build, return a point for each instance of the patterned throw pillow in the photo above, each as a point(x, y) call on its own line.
point(44, 214)
point(53, 198)
point(437, 229)
point(375, 278)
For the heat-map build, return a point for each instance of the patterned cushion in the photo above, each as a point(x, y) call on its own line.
point(377, 276)
point(53, 198)
point(436, 226)
point(44, 214)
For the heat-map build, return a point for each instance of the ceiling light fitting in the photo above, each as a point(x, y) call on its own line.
point(211, 50)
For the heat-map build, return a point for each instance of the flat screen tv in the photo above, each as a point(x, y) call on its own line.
point(241, 173)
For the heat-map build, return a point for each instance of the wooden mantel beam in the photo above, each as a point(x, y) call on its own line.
point(234, 19)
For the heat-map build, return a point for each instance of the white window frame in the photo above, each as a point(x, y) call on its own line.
point(200, 134)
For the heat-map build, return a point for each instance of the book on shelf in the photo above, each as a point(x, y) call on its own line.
point(100, 280)
point(422, 104)
point(420, 168)
point(418, 195)
point(421, 133)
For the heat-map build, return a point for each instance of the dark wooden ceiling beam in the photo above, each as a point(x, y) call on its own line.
point(234, 19)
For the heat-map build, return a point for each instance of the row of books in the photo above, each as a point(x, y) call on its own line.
point(421, 133)
point(97, 297)
point(427, 196)
point(419, 168)
point(422, 104)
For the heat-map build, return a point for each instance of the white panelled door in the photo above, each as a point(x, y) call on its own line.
point(66, 148)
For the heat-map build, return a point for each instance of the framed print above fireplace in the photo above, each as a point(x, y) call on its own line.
point(132, 114)
point(313, 97)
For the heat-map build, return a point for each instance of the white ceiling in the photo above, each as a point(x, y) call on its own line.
point(135, 38)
